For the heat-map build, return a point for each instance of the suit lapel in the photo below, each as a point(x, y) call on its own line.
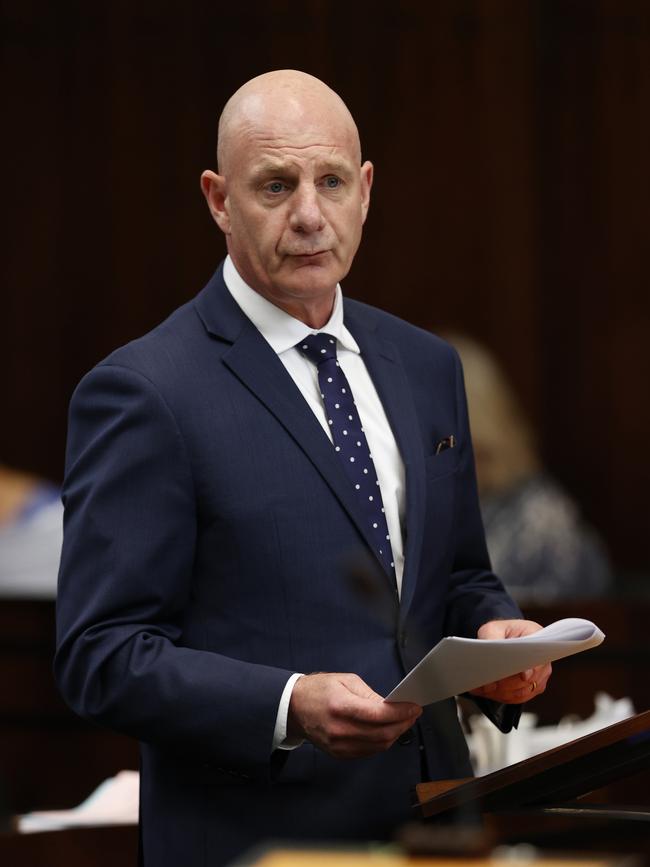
point(384, 365)
point(256, 365)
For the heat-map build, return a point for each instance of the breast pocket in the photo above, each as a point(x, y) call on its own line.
point(441, 464)
point(440, 485)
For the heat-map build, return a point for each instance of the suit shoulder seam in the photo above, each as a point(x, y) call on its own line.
point(138, 373)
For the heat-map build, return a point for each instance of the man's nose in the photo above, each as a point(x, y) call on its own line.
point(306, 215)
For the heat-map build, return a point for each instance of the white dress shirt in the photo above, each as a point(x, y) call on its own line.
point(282, 332)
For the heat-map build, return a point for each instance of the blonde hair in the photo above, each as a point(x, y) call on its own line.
point(504, 443)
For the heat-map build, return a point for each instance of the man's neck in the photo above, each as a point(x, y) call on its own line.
point(315, 316)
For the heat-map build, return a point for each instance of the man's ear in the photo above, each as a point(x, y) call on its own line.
point(367, 174)
point(214, 190)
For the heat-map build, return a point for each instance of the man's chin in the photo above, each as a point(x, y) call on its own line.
point(315, 277)
point(312, 285)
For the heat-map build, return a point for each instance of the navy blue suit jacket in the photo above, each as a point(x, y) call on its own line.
point(209, 533)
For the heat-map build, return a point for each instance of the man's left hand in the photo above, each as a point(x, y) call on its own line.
point(521, 687)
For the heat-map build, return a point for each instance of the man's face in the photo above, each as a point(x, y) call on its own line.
point(294, 200)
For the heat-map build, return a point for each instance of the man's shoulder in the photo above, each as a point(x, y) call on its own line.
point(410, 339)
point(177, 343)
point(165, 344)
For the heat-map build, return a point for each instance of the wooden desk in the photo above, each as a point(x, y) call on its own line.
point(279, 857)
point(539, 800)
point(116, 847)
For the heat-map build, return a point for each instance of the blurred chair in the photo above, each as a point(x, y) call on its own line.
point(31, 533)
point(539, 544)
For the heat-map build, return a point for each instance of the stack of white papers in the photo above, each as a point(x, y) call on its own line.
point(114, 802)
point(456, 665)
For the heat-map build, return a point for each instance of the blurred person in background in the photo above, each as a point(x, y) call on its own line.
point(538, 542)
point(31, 533)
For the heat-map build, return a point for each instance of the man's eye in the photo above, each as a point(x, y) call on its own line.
point(275, 187)
point(332, 182)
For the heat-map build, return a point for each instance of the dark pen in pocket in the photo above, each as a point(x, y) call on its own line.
point(447, 443)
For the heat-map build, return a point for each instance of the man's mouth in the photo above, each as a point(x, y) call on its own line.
point(308, 254)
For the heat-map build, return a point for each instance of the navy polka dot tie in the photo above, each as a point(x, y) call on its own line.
point(349, 439)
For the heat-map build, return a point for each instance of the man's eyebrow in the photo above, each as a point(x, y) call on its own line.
point(338, 167)
point(269, 168)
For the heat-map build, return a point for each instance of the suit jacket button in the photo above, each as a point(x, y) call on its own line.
point(405, 738)
point(402, 638)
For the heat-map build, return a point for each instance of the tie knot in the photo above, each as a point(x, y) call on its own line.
point(318, 347)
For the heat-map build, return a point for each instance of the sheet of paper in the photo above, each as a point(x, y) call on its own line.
point(114, 802)
point(456, 665)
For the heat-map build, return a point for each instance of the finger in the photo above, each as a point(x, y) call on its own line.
point(375, 714)
point(500, 629)
point(348, 742)
point(368, 706)
point(519, 694)
point(518, 687)
point(355, 685)
point(538, 675)
point(352, 699)
point(500, 687)
point(343, 716)
point(486, 690)
point(518, 681)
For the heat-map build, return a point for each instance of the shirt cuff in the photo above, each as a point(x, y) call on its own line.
point(280, 739)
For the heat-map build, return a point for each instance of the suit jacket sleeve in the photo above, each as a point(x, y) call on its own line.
point(125, 583)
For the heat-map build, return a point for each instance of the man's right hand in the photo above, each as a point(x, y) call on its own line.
point(344, 717)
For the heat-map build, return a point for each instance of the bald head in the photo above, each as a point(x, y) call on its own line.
point(301, 101)
point(291, 195)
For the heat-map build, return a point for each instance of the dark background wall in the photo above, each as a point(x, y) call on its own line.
point(510, 140)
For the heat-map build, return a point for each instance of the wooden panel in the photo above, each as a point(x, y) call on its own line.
point(90, 847)
point(510, 141)
point(50, 758)
point(594, 135)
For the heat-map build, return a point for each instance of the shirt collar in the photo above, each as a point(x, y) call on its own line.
point(279, 329)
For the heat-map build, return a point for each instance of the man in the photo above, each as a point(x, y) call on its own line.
point(228, 473)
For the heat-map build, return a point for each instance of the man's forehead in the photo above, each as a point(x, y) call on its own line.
point(296, 129)
point(329, 157)
point(291, 108)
